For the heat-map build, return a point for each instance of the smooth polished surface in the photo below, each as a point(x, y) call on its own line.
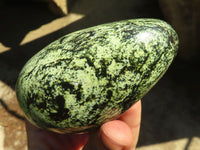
point(93, 75)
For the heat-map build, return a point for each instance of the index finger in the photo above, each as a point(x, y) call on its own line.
point(132, 117)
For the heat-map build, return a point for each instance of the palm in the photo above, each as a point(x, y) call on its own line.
point(47, 140)
point(121, 133)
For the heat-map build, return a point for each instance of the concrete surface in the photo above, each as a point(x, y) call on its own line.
point(171, 110)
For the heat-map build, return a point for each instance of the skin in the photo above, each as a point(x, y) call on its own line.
point(121, 134)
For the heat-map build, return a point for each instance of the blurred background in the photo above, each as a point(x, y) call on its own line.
point(171, 110)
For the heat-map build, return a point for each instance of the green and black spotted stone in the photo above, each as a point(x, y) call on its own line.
point(93, 75)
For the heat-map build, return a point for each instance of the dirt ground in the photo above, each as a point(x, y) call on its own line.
point(171, 110)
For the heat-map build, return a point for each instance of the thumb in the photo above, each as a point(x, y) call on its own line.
point(116, 135)
point(113, 135)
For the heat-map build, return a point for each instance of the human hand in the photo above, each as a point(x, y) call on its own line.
point(121, 134)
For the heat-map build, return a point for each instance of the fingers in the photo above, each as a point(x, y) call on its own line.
point(113, 135)
point(132, 117)
point(121, 134)
point(116, 135)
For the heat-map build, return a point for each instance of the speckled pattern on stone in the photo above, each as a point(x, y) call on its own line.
point(93, 75)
